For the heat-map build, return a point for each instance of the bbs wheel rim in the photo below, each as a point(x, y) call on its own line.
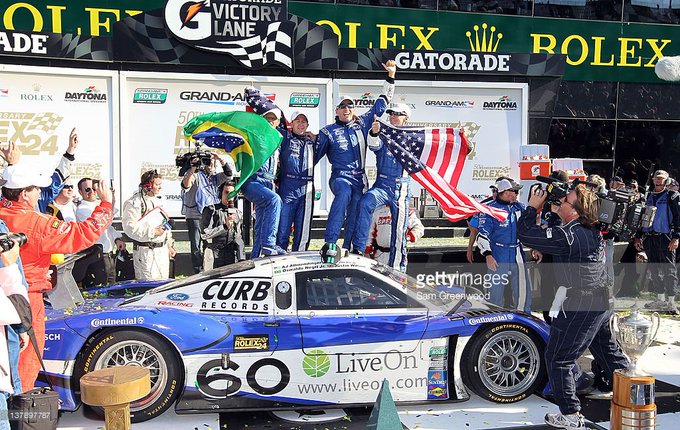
point(140, 354)
point(509, 363)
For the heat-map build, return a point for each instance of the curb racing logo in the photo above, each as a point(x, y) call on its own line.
point(491, 319)
point(503, 103)
point(451, 104)
point(316, 364)
point(90, 94)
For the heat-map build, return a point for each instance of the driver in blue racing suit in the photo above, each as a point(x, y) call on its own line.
point(344, 142)
point(502, 249)
point(390, 188)
point(259, 188)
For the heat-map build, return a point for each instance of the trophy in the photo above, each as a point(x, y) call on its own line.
point(633, 397)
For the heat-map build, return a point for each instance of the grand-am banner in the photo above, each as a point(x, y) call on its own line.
point(493, 115)
point(156, 107)
point(40, 106)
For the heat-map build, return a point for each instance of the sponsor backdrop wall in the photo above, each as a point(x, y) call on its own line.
point(494, 116)
point(39, 107)
point(155, 108)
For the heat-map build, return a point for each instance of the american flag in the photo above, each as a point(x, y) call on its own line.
point(434, 157)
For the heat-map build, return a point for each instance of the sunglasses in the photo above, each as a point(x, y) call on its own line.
point(68, 187)
point(88, 190)
point(346, 105)
point(396, 114)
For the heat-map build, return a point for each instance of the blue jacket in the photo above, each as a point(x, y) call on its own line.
point(494, 233)
point(297, 157)
point(345, 143)
point(667, 217)
point(389, 168)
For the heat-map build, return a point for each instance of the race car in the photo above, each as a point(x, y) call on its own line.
point(292, 332)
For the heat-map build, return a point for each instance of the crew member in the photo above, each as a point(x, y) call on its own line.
point(380, 235)
point(259, 188)
point(502, 249)
point(344, 142)
point(661, 241)
point(581, 309)
point(46, 235)
point(151, 236)
point(391, 188)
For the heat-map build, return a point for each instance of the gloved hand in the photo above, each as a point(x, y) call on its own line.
point(560, 297)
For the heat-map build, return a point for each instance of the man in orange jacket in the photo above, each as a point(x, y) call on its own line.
point(46, 235)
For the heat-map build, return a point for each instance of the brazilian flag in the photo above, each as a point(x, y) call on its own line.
point(247, 137)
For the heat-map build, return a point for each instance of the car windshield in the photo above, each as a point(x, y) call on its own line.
point(432, 297)
point(206, 275)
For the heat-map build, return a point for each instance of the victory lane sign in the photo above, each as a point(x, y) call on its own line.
point(254, 32)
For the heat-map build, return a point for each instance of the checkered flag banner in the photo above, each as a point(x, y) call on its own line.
point(363, 59)
point(143, 37)
point(537, 64)
point(316, 47)
point(46, 122)
point(80, 47)
point(257, 51)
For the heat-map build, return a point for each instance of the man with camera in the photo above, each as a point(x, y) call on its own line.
point(221, 227)
point(500, 246)
point(200, 190)
point(46, 235)
point(581, 309)
point(660, 242)
point(102, 270)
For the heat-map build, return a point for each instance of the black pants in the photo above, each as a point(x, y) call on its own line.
point(194, 227)
point(583, 325)
point(90, 270)
point(225, 255)
point(661, 263)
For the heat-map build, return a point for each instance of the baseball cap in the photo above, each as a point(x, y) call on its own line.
point(661, 173)
point(296, 114)
point(399, 108)
point(560, 175)
point(343, 98)
point(617, 179)
point(19, 176)
point(505, 185)
point(275, 111)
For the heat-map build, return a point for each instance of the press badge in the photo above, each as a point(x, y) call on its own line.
point(548, 233)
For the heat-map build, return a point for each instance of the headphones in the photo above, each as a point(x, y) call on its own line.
point(147, 178)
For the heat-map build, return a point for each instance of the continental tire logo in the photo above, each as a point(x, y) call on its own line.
point(490, 319)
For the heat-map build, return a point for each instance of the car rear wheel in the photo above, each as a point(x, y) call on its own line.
point(504, 363)
point(137, 348)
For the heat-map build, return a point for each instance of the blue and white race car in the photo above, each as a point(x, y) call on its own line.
point(291, 332)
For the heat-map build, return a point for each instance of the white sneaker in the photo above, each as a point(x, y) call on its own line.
point(559, 421)
point(657, 305)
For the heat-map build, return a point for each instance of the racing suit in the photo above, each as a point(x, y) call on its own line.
point(390, 188)
point(46, 236)
point(296, 190)
point(259, 189)
point(499, 239)
point(151, 256)
point(345, 145)
point(380, 236)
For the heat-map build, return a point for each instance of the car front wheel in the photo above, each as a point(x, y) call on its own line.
point(504, 363)
point(137, 348)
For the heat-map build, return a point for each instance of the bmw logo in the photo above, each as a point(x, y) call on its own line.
point(177, 297)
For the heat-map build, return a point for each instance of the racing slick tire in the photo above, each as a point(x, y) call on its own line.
point(137, 348)
point(504, 363)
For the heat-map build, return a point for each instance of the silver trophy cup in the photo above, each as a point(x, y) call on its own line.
point(634, 333)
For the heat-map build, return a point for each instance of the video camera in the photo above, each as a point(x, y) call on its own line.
point(184, 162)
point(6, 240)
point(618, 213)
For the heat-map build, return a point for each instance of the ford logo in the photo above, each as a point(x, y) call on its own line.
point(177, 297)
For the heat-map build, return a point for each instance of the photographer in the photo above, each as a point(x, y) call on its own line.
point(199, 190)
point(660, 242)
point(580, 310)
point(221, 227)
